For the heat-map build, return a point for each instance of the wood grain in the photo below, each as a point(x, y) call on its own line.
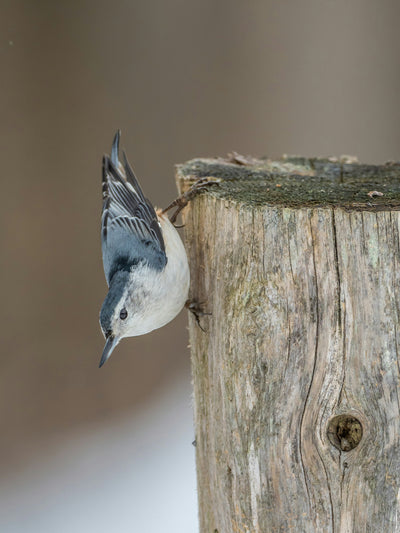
point(304, 297)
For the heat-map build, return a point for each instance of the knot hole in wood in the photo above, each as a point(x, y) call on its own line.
point(345, 432)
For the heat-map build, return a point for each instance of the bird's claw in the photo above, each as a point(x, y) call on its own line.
point(185, 198)
point(197, 309)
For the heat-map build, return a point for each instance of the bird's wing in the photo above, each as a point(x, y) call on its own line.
point(130, 231)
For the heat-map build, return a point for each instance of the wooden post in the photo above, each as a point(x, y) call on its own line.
point(296, 377)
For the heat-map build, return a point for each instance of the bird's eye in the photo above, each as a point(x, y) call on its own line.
point(123, 314)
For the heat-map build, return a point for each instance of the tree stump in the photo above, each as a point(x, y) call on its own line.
point(296, 374)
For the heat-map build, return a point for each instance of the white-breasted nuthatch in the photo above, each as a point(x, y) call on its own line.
point(144, 259)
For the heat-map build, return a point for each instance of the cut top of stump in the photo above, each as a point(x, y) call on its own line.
point(299, 182)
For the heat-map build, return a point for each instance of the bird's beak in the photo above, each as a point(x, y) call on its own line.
point(111, 343)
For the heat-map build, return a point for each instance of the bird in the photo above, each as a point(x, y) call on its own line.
point(144, 259)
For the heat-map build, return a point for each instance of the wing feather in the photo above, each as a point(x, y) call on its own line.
point(131, 233)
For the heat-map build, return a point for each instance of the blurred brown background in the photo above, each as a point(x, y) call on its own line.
point(181, 79)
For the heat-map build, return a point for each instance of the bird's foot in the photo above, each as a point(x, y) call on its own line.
point(185, 198)
point(197, 309)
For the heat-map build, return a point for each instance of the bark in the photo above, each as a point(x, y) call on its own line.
point(296, 376)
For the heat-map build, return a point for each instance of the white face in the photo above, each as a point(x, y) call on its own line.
point(125, 317)
point(135, 314)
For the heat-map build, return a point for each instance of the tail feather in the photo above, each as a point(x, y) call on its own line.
point(115, 149)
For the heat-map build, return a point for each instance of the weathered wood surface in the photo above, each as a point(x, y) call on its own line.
point(299, 267)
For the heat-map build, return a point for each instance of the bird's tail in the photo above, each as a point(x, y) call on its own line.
point(123, 169)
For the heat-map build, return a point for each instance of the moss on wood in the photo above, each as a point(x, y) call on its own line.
point(301, 182)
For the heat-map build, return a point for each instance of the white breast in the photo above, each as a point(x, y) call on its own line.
point(166, 291)
point(176, 275)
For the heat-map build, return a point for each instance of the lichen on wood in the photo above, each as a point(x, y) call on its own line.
point(299, 267)
point(301, 182)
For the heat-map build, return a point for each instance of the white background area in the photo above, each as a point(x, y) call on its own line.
point(136, 474)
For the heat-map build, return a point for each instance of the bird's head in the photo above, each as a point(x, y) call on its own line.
point(115, 315)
